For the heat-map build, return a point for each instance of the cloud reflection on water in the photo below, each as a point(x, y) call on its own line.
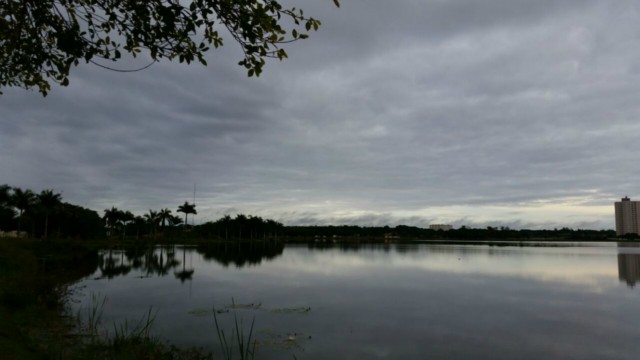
point(402, 301)
point(593, 267)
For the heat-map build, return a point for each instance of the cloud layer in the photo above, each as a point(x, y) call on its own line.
point(500, 112)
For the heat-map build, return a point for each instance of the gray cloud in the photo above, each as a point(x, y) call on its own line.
point(522, 113)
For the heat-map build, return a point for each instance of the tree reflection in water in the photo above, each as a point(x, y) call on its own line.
point(185, 274)
point(112, 264)
point(241, 254)
point(161, 260)
point(134, 256)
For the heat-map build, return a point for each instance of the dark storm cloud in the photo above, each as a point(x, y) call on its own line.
point(493, 112)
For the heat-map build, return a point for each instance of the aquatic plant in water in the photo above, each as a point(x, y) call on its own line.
point(245, 349)
point(89, 321)
point(90, 318)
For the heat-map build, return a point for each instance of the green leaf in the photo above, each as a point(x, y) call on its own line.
point(73, 30)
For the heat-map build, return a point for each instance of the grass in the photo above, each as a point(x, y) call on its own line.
point(122, 333)
point(92, 314)
point(136, 342)
point(35, 323)
point(20, 305)
point(244, 349)
point(124, 342)
point(34, 279)
point(89, 323)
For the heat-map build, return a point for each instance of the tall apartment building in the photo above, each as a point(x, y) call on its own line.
point(627, 216)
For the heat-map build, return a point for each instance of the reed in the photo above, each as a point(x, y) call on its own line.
point(122, 334)
point(92, 314)
point(244, 347)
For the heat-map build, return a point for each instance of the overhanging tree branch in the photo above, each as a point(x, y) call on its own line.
point(40, 40)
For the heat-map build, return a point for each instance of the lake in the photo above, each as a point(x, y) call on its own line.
point(402, 301)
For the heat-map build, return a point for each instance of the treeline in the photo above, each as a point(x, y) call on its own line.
point(386, 233)
point(153, 224)
point(242, 227)
point(25, 213)
point(163, 224)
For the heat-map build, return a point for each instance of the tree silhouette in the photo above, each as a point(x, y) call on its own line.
point(5, 195)
point(175, 220)
point(138, 223)
point(7, 213)
point(126, 217)
point(111, 217)
point(49, 201)
point(240, 222)
point(164, 216)
point(256, 225)
point(22, 200)
point(187, 209)
point(226, 223)
point(152, 219)
point(272, 227)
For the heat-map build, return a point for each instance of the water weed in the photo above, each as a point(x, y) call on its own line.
point(90, 318)
point(245, 348)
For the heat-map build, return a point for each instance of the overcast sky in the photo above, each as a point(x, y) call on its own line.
point(521, 113)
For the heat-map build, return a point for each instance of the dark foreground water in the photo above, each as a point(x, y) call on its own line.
point(418, 301)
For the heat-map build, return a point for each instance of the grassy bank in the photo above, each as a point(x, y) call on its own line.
point(34, 279)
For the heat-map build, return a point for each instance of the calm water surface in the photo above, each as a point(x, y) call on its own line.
point(417, 301)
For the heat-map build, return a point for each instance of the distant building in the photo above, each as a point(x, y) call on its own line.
point(627, 216)
point(442, 227)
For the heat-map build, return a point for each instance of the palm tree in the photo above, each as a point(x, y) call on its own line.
point(22, 200)
point(152, 219)
point(49, 201)
point(175, 220)
point(126, 217)
point(226, 222)
point(187, 209)
point(138, 223)
point(164, 216)
point(111, 217)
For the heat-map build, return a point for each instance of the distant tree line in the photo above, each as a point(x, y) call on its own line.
point(242, 227)
point(123, 223)
point(44, 215)
point(162, 224)
point(350, 232)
